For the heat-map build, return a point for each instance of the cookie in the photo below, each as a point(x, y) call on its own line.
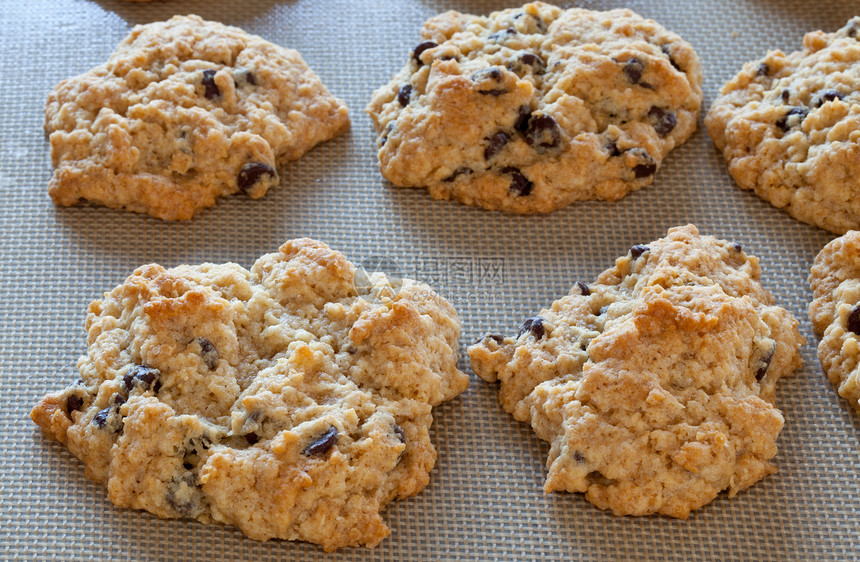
point(528, 110)
point(288, 400)
point(185, 111)
point(654, 385)
point(835, 313)
point(789, 128)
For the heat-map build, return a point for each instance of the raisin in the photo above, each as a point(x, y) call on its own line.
point(488, 81)
point(524, 62)
point(398, 431)
point(140, 375)
point(612, 149)
point(738, 248)
point(583, 288)
point(633, 69)
point(785, 95)
point(322, 444)
point(208, 352)
point(524, 114)
point(497, 143)
point(420, 48)
point(252, 173)
point(250, 78)
point(853, 323)
point(647, 166)
point(498, 338)
point(210, 88)
point(638, 250)
point(763, 69)
point(501, 35)
point(663, 121)
point(101, 418)
point(792, 117)
point(520, 185)
point(764, 363)
point(457, 173)
point(578, 457)
point(534, 326)
point(252, 438)
point(543, 133)
point(404, 93)
point(73, 403)
point(826, 96)
point(667, 50)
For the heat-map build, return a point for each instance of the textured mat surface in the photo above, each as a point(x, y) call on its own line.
point(485, 499)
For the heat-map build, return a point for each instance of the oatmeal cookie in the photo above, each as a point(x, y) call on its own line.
point(185, 111)
point(835, 313)
point(281, 400)
point(789, 128)
point(654, 385)
point(528, 110)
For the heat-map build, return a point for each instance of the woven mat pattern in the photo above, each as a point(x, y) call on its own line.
point(485, 499)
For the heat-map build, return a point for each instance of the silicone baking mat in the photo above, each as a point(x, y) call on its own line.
point(485, 499)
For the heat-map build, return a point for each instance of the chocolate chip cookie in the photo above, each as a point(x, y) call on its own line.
point(185, 111)
point(282, 400)
point(528, 110)
point(654, 385)
point(789, 128)
point(835, 313)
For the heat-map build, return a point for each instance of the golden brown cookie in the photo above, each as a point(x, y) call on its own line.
point(185, 111)
point(654, 385)
point(284, 400)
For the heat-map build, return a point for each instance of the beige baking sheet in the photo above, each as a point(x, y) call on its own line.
point(485, 500)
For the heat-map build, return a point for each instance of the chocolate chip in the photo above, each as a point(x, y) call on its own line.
point(667, 50)
point(826, 96)
point(543, 133)
point(534, 326)
point(398, 431)
point(210, 88)
point(792, 117)
point(663, 121)
point(404, 93)
point(638, 250)
point(764, 363)
point(420, 48)
point(785, 95)
point(322, 444)
point(524, 114)
point(520, 185)
point(497, 143)
point(140, 375)
point(208, 352)
point(488, 81)
point(457, 173)
point(524, 62)
point(252, 438)
point(583, 288)
point(762, 70)
point(633, 69)
point(853, 323)
point(503, 34)
point(101, 418)
point(73, 403)
point(252, 173)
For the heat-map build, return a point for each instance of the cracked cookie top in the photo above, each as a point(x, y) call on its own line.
point(283, 400)
point(183, 112)
point(654, 385)
point(527, 110)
